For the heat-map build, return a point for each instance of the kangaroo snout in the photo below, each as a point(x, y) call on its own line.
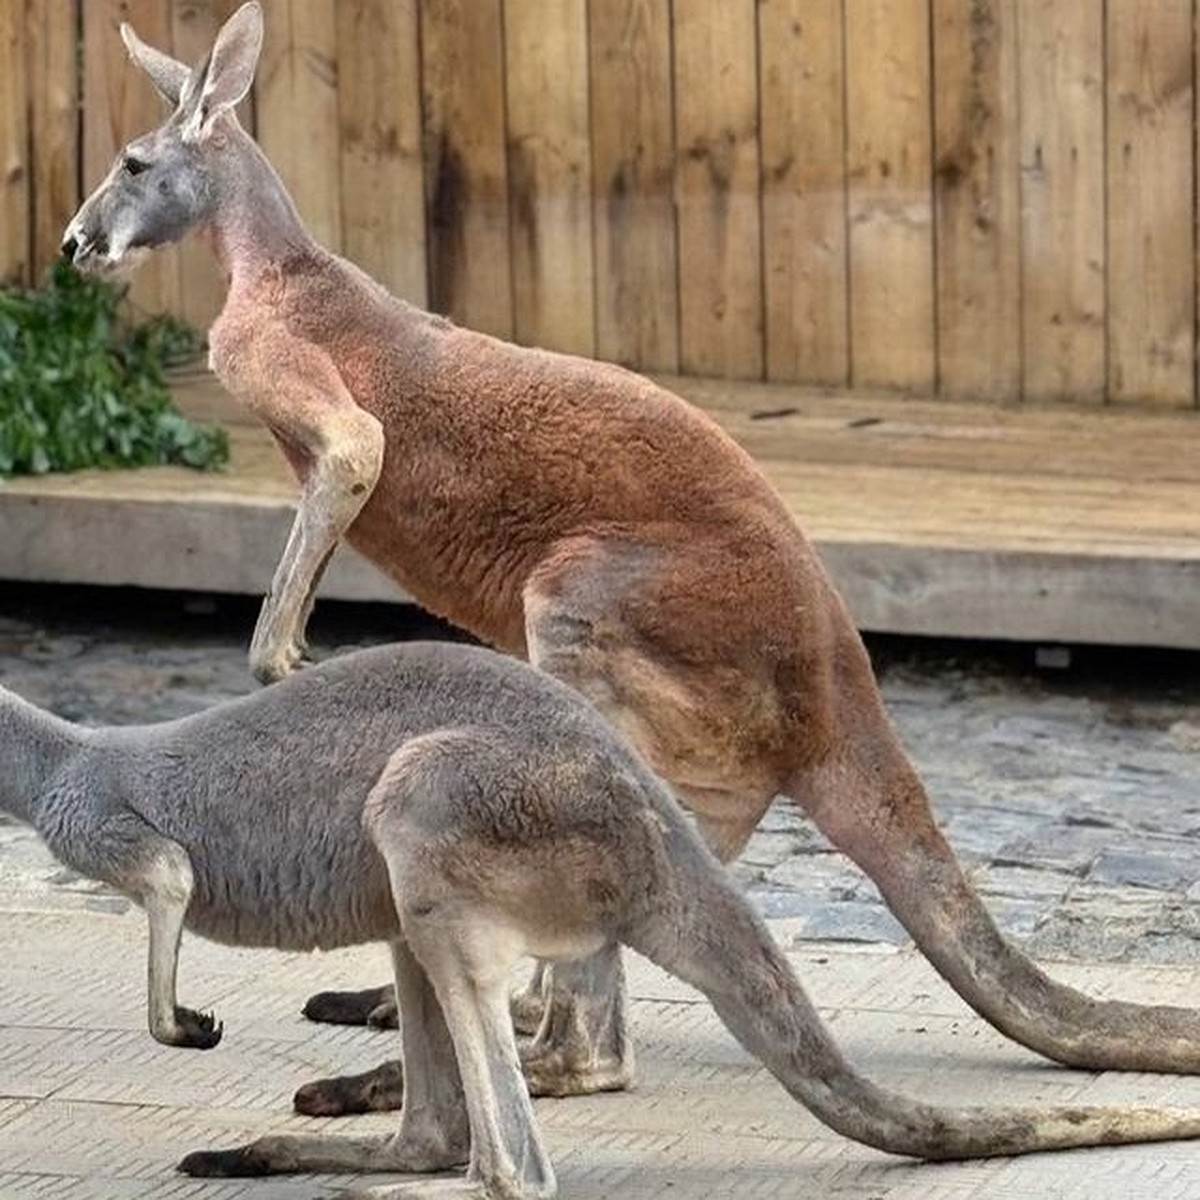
point(82, 249)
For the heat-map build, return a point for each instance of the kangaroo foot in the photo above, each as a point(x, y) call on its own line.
point(372, 1006)
point(242, 1162)
point(191, 1029)
point(582, 1045)
point(378, 1090)
point(528, 1009)
point(293, 1154)
point(556, 1071)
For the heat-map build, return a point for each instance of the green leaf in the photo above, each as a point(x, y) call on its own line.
point(82, 386)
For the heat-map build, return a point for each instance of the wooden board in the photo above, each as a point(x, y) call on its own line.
point(15, 167)
point(804, 190)
point(976, 179)
point(296, 109)
point(1151, 207)
point(120, 103)
point(888, 149)
point(969, 520)
point(194, 25)
point(633, 157)
point(549, 174)
point(466, 174)
point(379, 141)
point(53, 114)
point(1062, 199)
point(720, 234)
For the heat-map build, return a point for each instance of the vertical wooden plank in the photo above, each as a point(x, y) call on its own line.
point(1062, 199)
point(194, 25)
point(54, 126)
point(720, 234)
point(15, 167)
point(888, 150)
point(633, 168)
point(296, 109)
point(466, 177)
point(379, 115)
point(804, 190)
point(976, 192)
point(1151, 243)
point(119, 103)
point(549, 173)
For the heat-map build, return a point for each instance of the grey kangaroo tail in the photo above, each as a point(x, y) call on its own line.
point(714, 941)
point(879, 815)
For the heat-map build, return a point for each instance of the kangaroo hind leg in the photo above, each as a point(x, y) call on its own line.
point(439, 816)
point(433, 1133)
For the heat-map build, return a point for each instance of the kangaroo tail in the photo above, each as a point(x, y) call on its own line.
point(879, 815)
point(709, 936)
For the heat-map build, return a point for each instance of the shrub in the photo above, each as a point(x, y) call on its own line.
point(80, 386)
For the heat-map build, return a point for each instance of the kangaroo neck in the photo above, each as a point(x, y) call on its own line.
point(254, 223)
point(35, 746)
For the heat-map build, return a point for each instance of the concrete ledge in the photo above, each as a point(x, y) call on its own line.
point(934, 519)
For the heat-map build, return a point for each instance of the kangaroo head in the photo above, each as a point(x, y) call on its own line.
point(168, 181)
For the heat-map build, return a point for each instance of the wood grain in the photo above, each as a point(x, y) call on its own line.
point(1062, 199)
point(53, 115)
point(888, 152)
point(549, 174)
point(15, 168)
point(804, 190)
point(633, 211)
point(466, 174)
point(296, 108)
point(379, 143)
point(1149, 92)
point(720, 233)
point(976, 192)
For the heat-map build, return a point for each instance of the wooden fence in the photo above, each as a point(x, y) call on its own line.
point(989, 198)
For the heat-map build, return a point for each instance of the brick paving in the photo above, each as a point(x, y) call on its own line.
point(1073, 796)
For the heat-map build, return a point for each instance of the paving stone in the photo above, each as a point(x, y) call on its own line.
point(1163, 871)
point(854, 921)
point(1032, 883)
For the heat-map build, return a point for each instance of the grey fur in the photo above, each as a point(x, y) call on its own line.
point(468, 810)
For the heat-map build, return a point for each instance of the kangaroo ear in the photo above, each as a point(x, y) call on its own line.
point(230, 70)
point(166, 73)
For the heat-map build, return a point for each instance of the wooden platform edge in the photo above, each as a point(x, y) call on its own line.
point(218, 546)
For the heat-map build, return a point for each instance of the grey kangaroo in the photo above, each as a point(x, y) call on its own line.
point(467, 810)
point(576, 514)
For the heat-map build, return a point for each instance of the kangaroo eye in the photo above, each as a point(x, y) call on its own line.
point(134, 166)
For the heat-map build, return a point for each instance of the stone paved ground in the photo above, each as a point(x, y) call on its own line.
point(1074, 795)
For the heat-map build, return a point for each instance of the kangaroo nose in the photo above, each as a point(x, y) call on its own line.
point(69, 246)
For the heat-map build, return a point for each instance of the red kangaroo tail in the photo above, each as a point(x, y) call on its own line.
point(879, 815)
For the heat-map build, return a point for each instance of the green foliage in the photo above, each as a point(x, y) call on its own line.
point(81, 387)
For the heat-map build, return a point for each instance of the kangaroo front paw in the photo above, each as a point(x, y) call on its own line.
point(380, 1090)
point(190, 1029)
